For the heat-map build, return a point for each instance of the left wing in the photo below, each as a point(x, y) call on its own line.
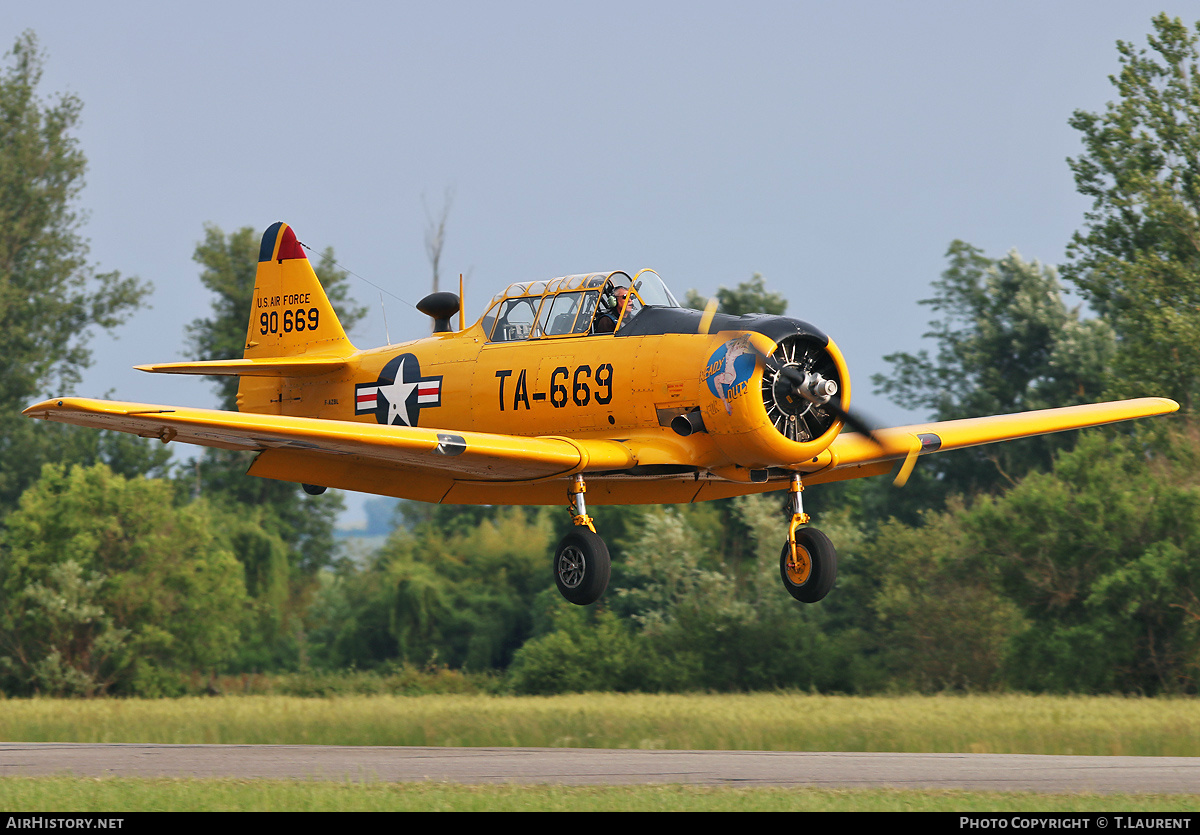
point(334, 452)
point(854, 450)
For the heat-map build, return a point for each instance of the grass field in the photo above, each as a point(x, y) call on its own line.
point(1009, 724)
point(780, 722)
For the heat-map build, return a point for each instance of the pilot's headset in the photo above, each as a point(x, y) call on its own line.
point(608, 296)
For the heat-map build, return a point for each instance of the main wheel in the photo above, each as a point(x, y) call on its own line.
point(582, 567)
point(811, 578)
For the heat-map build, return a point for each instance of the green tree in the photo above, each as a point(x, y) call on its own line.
point(749, 296)
point(941, 624)
point(269, 634)
point(51, 298)
point(1006, 342)
point(1137, 259)
point(585, 650)
point(1100, 557)
point(105, 584)
point(460, 597)
point(70, 645)
point(304, 524)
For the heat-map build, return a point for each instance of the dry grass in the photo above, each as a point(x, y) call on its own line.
point(781, 722)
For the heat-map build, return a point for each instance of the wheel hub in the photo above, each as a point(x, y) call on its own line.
point(572, 566)
point(799, 569)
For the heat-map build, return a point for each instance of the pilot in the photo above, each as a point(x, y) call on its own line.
point(606, 319)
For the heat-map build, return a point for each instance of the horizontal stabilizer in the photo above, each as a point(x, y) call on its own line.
point(259, 367)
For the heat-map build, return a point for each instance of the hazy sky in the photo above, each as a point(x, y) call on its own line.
point(836, 148)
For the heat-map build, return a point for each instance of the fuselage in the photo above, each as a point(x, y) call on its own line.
point(630, 385)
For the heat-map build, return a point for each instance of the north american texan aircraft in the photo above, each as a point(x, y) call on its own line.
point(597, 383)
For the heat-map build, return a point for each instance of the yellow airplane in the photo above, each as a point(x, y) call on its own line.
point(595, 382)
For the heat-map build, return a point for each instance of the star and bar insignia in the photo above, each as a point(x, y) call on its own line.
point(399, 394)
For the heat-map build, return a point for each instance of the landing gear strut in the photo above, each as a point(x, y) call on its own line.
point(581, 564)
point(808, 564)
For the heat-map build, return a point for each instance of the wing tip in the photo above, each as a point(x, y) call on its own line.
point(42, 410)
point(1151, 406)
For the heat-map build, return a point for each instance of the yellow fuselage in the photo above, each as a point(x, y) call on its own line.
point(577, 386)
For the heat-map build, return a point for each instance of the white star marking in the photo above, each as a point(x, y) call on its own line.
point(397, 396)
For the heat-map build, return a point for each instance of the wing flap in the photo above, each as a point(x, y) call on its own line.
point(853, 449)
point(418, 450)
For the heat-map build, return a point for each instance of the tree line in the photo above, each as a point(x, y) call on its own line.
point(1066, 563)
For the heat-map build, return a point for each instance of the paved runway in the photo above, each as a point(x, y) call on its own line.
point(586, 766)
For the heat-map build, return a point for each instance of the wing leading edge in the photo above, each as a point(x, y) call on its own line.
point(316, 445)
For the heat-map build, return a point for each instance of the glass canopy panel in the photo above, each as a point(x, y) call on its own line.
point(543, 316)
point(587, 312)
point(652, 289)
point(515, 319)
point(488, 320)
point(561, 318)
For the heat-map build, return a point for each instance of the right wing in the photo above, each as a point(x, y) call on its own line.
point(854, 450)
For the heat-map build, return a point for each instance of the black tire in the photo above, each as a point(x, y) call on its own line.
point(823, 560)
point(582, 567)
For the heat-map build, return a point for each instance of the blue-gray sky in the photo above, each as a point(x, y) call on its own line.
point(836, 148)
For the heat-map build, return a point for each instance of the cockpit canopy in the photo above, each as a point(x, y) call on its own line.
point(570, 305)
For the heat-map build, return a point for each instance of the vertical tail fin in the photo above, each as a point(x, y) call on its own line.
point(291, 314)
